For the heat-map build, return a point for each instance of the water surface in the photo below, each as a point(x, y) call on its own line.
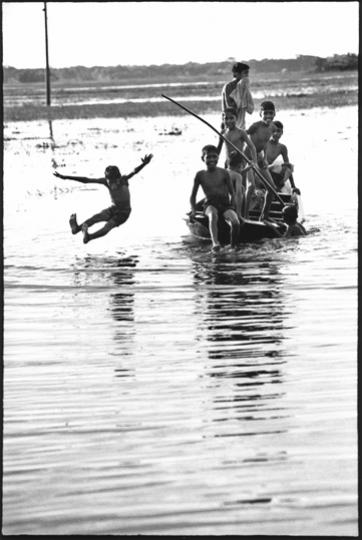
point(154, 388)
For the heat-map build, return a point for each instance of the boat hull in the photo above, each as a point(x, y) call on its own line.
point(251, 230)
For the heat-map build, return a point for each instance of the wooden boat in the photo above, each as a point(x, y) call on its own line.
point(251, 230)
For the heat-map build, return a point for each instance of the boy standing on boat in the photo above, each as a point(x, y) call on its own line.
point(238, 182)
point(120, 210)
point(236, 94)
point(238, 138)
point(260, 133)
point(220, 196)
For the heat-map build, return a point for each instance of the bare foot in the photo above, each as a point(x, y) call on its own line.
point(85, 233)
point(73, 224)
point(216, 248)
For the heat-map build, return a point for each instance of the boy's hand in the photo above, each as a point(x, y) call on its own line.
point(147, 159)
point(296, 191)
point(58, 175)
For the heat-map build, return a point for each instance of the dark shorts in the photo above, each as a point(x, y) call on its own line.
point(278, 179)
point(220, 205)
point(115, 214)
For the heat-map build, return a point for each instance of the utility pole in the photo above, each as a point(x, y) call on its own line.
point(47, 74)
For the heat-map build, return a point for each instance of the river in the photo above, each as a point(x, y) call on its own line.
point(152, 387)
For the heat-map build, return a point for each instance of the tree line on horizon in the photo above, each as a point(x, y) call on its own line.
point(303, 63)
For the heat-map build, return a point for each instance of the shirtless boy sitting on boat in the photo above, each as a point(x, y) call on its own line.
point(120, 210)
point(220, 197)
point(238, 138)
point(276, 155)
point(260, 133)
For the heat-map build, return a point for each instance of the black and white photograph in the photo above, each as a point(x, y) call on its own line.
point(180, 268)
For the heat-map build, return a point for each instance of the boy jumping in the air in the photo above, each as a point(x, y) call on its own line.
point(120, 210)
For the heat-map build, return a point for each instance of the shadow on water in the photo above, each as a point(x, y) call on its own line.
point(242, 325)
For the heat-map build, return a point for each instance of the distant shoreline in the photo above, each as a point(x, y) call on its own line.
point(72, 112)
point(125, 99)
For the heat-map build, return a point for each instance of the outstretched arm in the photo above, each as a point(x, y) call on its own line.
point(145, 160)
point(82, 179)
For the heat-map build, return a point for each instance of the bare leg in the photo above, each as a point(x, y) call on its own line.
point(102, 216)
point(250, 188)
point(269, 196)
point(98, 234)
point(73, 224)
point(239, 197)
point(232, 220)
point(212, 215)
point(268, 199)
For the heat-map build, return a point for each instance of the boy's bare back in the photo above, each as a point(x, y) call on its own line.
point(260, 133)
point(119, 191)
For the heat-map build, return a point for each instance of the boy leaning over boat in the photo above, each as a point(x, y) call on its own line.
point(276, 155)
point(218, 189)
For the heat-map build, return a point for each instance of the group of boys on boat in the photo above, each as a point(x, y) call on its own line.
point(257, 167)
point(257, 170)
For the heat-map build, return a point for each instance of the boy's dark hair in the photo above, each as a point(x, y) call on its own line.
point(290, 214)
point(267, 106)
point(278, 124)
point(208, 149)
point(112, 172)
point(230, 110)
point(235, 159)
point(239, 67)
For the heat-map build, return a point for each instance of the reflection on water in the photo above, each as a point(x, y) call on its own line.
point(119, 274)
point(242, 323)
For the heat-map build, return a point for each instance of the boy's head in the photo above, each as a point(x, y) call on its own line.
point(277, 132)
point(235, 160)
point(229, 117)
point(267, 111)
point(290, 214)
point(240, 70)
point(209, 155)
point(112, 172)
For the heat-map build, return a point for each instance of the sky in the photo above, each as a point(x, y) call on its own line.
point(146, 33)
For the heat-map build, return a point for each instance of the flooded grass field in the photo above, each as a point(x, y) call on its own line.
point(151, 387)
point(294, 90)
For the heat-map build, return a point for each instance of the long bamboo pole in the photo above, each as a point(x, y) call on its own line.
point(47, 72)
point(264, 180)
